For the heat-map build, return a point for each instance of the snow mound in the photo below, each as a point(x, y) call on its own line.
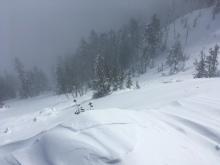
point(92, 138)
point(172, 123)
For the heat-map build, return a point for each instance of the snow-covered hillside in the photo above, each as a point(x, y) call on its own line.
point(197, 31)
point(163, 123)
point(171, 120)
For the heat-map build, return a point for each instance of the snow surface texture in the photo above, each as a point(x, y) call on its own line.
point(165, 123)
point(171, 120)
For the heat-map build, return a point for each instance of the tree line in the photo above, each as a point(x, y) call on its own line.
point(106, 62)
point(207, 66)
point(7, 86)
point(31, 82)
point(25, 83)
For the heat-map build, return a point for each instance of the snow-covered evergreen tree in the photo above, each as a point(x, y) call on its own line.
point(32, 82)
point(153, 35)
point(200, 67)
point(129, 82)
point(176, 58)
point(212, 61)
point(137, 86)
point(101, 83)
point(152, 42)
point(24, 90)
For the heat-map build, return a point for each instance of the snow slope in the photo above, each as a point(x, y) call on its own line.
point(171, 120)
point(163, 123)
point(197, 31)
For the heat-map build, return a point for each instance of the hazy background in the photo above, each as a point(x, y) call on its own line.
point(37, 31)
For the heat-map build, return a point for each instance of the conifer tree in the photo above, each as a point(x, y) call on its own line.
point(101, 83)
point(200, 67)
point(137, 86)
point(129, 82)
point(152, 37)
point(24, 90)
point(212, 61)
point(176, 58)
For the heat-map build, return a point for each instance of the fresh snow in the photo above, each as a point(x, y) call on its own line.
point(171, 120)
point(162, 123)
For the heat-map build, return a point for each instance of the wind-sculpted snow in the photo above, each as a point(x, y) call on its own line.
point(80, 141)
point(171, 120)
point(183, 128)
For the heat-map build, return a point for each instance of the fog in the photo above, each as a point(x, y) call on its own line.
point(37, 31)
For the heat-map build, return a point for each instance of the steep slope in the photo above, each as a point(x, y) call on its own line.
point(197, 31)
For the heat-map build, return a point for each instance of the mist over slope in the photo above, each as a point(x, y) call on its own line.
point(197, 29)
point(197, 32)
point(170, 120)
point(39, 31)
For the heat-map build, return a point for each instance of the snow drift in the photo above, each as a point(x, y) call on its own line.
point(171, 120)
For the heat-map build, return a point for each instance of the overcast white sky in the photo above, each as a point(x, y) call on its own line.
point(39, 30)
